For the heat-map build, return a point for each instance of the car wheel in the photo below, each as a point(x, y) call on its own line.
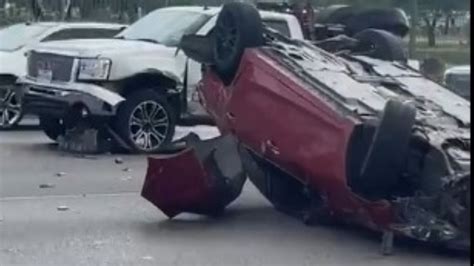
point(238, 27)
point(146, 121)
point(380, 44)
point(381, 168)
point(53, 127)
point(10, 110)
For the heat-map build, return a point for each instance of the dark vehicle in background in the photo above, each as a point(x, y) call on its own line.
point(375, 32)
point(16, 40)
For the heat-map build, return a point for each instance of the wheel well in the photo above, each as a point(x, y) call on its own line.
point(7, 79)
point(155, 81)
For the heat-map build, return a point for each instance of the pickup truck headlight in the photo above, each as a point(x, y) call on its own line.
point(94, 69)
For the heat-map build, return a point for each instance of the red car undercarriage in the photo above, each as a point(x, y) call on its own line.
point(322, 136)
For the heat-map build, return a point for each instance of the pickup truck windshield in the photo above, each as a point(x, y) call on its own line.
point(165, 26)
point(16, 36)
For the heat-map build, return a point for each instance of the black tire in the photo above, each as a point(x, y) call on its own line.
point(381, 44)
point(238, 27)
point(52, 126)
point(146, 99)
point(381, 168)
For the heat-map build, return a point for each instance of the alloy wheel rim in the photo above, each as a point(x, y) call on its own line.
point(10, 109)
point(148, 125)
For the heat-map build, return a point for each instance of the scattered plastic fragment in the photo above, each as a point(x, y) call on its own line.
point(60, 174)
point(63, 208)
point(147, 258)
point(47, 186)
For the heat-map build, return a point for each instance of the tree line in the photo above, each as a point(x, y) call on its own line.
point(429, 12)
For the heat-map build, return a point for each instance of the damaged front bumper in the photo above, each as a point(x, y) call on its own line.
point(57, 98)
point(202, 178)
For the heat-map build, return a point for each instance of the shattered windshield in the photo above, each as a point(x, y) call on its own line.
point(165, 26)
point(16, 36)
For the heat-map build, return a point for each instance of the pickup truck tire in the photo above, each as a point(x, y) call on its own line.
point(52, 126)
point(381, 44)
point(382, 166)
point(145, 121)
point(238, 27)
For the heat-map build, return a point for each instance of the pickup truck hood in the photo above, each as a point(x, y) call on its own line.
point(99, 47)
point(129, 57)
point(13, 63)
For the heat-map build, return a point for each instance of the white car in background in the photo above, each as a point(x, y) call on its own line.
point(458, 80)
point(17, 39)
point(136, 85)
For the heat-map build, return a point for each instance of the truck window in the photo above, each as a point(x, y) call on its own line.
point(82, 33)
point(279, 25)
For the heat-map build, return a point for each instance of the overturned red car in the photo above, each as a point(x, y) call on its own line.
point(323, 136)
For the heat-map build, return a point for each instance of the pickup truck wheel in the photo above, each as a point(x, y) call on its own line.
point(146, 121)
point(380, 44)
point(52, 127)
point(382, 166)
point(238, 27)
point(10, 110)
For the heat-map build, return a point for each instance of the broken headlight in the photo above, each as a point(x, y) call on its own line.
point(94, 69)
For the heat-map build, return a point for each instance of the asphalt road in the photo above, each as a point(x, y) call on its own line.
point(106, 222)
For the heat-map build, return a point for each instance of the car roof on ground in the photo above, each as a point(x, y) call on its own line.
point(215, 10)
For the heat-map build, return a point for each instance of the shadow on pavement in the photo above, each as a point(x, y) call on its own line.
point(267, 216)
point(22, 128)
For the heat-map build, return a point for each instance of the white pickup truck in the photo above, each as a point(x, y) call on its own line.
point(138, 84)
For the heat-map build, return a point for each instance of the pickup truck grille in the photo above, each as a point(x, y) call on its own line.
point(57, 67)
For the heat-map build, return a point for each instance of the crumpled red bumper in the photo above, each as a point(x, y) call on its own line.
point(203, 178)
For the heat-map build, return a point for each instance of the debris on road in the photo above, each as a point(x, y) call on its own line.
point(147, 258)
point(386, 246)
point(118, 160)
point(62, 208)
point(80, 140)
point(47, 185)
point(60, 174)
point(98, 243)
point(127, 169)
